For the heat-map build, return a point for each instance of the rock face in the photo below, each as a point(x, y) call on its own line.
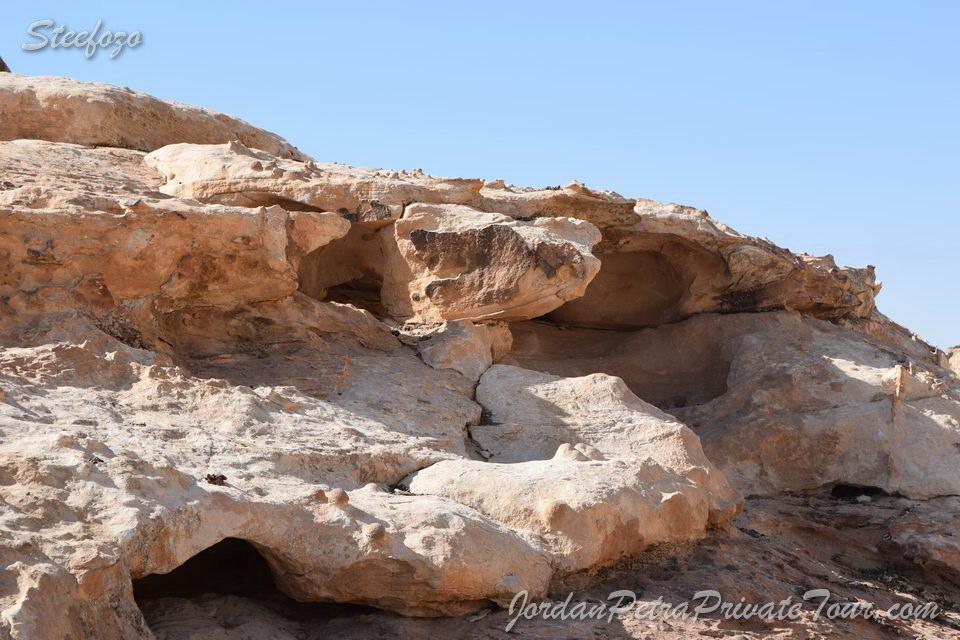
point(665, 262)
point(782, 402)
point(220, 354)
point(583, 464)
point(452, 262)
point(235, 174)
point(90, 113)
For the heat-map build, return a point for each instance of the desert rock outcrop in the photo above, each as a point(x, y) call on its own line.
point(452, 262)
point(423, 395)
point(103, 115)
point(782, 402)
point(583, 464)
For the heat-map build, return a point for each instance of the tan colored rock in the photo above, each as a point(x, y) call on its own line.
point(665, 262)
point(781, 402)
point(590, 469)
point(674, 262)
point(71, 242)
point(779, 542)
point(603, 209)
point(102, 115)
point(501, 339)
point(253, 402)
point(461, 345)
point(203, 349)
point(449, 262)
point(128, 437)
point(237, 175)
point(661, 263)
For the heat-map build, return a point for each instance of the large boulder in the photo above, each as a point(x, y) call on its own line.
point(585, 466)
point(92, 113)
point(460, 345)
point(452, 262)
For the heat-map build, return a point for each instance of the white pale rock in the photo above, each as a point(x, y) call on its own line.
point(782, 402)
point(584, 465)
point(463, 346)
point(235, 174)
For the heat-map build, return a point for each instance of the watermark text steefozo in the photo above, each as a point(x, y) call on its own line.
point(48, 34)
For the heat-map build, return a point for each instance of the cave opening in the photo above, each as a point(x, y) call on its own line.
point(236, 592)
point(844, 491)
point(347, 270)
point(230, 567)
point(672, 366)
point(651, 281)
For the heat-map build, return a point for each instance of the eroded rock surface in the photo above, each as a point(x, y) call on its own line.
point(582, 463)
point(103, 115)
point(235, 174)
point(450, 262)
point(221, 344)
point(782, 402)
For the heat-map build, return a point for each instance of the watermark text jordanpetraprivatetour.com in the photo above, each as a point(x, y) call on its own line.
point(46, 34)
point(623, 603)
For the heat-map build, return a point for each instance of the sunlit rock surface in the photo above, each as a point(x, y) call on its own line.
point(244, 394)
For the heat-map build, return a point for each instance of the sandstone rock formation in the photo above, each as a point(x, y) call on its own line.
point(236, 383)
point(452, 262)
point(782, 402)
point(583, 464)
point(65, 110)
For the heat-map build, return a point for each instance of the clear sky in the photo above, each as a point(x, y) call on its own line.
point(828, 127)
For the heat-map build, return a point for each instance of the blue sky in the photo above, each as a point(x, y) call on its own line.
point(826, 127)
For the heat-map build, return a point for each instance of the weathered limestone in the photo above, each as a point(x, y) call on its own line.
point(586, 466)
point(674, 262)
point(450, 262)
point(782, 402)
point(661, 262)
point(127, 258)
point(235, 174)
point(91, 113)
point(463, 346)
point(665, 262)
point(221, 340)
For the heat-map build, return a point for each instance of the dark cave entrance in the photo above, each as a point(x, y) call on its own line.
point(348, 270)
point(237, 586)
point(230, 567)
